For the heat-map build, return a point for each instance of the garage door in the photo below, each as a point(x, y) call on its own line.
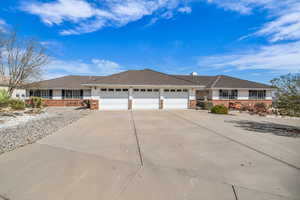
point(145, 99)
point(175, 99)
point(113, 99)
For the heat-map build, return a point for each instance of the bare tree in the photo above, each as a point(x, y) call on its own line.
point(21, 60)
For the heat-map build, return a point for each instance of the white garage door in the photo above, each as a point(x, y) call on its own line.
point(145, 99)
point(113, 99)
point(175, 99)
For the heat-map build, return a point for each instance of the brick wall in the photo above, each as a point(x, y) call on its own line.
point(192, 104)
point(161, 104)
point(129, 104)
point(242, 102)
point(67, 102)
point(94, 104)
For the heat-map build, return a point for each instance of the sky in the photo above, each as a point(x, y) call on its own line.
point(251, 39)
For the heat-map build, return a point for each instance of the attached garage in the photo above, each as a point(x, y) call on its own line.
point(113, 99)
point(175, 99)
point(145, 99)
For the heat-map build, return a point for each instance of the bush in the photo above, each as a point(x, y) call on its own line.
point(17, 104)
point(260, 108)
point(86, 103)
point(4, 98)
point(206, 105)
point(36, 102)
point(219, 109)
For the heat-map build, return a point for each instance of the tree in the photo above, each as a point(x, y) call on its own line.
point(288, 94)
point(21, 60)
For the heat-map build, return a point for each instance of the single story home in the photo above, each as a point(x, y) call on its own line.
point(149, 89)
point(18, 93)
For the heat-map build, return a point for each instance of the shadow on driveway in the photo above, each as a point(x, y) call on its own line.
point(267, 127)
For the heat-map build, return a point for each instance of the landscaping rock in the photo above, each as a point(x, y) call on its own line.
point(27, 129)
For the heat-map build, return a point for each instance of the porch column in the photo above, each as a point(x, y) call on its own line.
point(192, 98)
point(161, 98)
point(130, 91)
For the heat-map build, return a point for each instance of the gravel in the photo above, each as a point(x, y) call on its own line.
point(28, 129)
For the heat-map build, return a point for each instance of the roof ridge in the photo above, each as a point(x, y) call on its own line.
point(170, 75)
point(215, 82)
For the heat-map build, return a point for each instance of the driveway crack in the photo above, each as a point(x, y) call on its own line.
point(137, 140)
point(234, 192)
point(238, 142)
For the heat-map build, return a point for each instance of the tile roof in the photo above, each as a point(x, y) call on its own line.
point(67, 82)
point(147, 77)
point(142, 77)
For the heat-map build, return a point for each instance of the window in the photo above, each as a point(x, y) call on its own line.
point(228, 94)
point(125, 90)
point(156, 90)
point(149, 90)
point(103, 89)
point(257, 94)
point(87, 93)
point(178, 90)
point(166, 90)
point(110, 89)
point(185, 90)
point(118, 90)
point(72, 94)
point(143, 90)
point(23, 95)
point(173, 90)
point(47, 94)
point(17, 95)
point(136, 90)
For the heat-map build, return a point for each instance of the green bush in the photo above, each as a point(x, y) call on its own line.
point(219, 109)
point(17, 104)
point(4, 98)
point(206, 105)
point(36, 102)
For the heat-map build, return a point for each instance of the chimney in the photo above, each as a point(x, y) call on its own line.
point(194, 74)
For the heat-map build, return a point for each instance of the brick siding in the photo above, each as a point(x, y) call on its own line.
point(192, 104)
point(250, 103)
point(68, 102)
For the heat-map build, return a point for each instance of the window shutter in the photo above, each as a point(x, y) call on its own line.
point(81, 94)
point(50, 94)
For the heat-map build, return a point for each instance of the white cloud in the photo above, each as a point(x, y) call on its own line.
point(284, 16)
point(84, 16)
point(279, 57)
point(3, 26)
point(185, 9)
point(94, 67)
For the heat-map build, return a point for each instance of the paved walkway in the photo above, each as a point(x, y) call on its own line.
point(155, 155)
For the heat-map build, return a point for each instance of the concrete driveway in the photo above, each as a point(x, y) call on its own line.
point(158, 155)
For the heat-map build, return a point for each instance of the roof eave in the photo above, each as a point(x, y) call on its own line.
point(218, 88)
point(146, 85)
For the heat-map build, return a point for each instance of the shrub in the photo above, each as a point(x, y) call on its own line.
point(36, 102)
point(219, 109)
point(4, 98)
point(206, 105)
point(260, 108)
point(17, 104)
point(86, 103)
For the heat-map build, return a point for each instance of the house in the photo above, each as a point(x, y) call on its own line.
point(18, 93)
point(149, 89)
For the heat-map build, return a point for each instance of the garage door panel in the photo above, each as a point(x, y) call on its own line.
point(176, 100)
point(113, 100)
point(145, 100)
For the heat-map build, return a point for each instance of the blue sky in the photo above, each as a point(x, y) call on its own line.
point(251, 39)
